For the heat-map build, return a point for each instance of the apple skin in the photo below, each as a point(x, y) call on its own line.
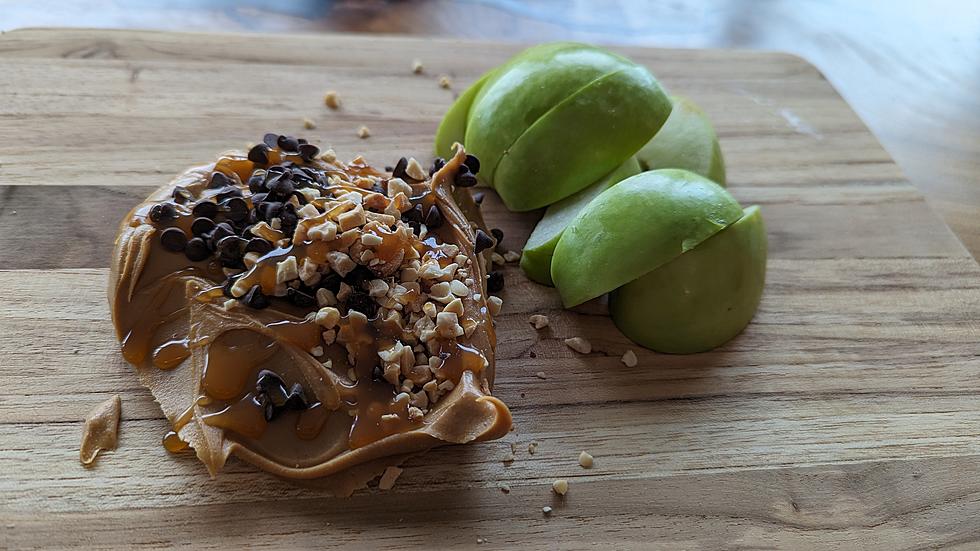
point(540, 246)
point(687, 140)
point(452, 128)
point(636, 226)
point(558, 117)
point(701, 299)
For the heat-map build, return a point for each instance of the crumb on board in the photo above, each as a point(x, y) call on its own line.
point(539, 321)
point(629, 358)
point(363, 132)
point(546, 510)
point(445, 82)
point(505, 488)
point(389, 477)
point(512, 256)
point(560, 486)
point(309, 124)
point(532, 447)
point(579, 345)
point(585, 460)
point(331, 99)
point(101, 430)
point(541, 375)
point(417, 66)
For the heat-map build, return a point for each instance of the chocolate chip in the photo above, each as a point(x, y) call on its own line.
point(196, 250)
point(271, 140)
point(258, 245)
point(219, 180)
point(473, 163)
point(173, 239)
point(483, 241)
point(479, 197)
point(201, 226)
point(413, 214)
point(259, 197)
point(464, 179)
point(308, 151)
point(221, 231)
point(399, 170)
point(226, 288)
point(227, 193)
point(236, 209)
point(181, 195)
point(433, 219)
point(287, 143)
point(255, 299)
point(269, 210)
point(361, 302)
point(331, 282)
point(232, 246)
point(377, 374)
point(282, 187)
point(277, 169)
point(497, 234)
point(297, 399)
point(299, 298)
point(259, 154)
point(163, 212)
point(255, 181)
point(267, 382)
point(206, 209)
point(302, 141)
point(495, 282)
point(437, 165)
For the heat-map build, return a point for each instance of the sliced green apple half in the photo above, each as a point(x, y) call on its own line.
point(540, 246)
point(687, 140)
point(702, 298)
point(555, 119)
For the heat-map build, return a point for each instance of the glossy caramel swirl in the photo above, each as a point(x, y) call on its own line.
point(320, 320)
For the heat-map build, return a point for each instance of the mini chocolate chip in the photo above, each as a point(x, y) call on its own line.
point(271, 140)
point(277, 169)
point(297, 399)
point(207, 209)
point(473, 163)
point(173, 239)
point(495, 282)
point(255, 181)
point(308, 151)
point(497, 234)
point(181, 195)
point(227, 193)
point(413, 214)
point(236, 209)
point(232, 246)
point(258, 245)
point(433, 219)
point(282, 187)
point(268, 381)
point(464, 179)
point(269, 210)
point(399, 170)
point(226, 288)
point(299, 298)
point(163, 212)
point(259, 154)
point(219, 180)
point(478, 197)
point(437, 165)
point(331, 282)
point(483, 241)
point(255, 299)
point(196, 250)
point(358, 275)
point(287, 143)
point(377, 374)
point(361, 302)
point(389, 168)
point(302, 141)
point(259, 197)
point(201, 226)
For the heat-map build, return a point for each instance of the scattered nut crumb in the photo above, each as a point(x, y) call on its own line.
point(539, 321)
point(505, 488)
point(585, 460)
point(512, 256)
point(629, 358)
point(389, 477)
point(560, 486)
point(331, 99)
point(480, 540)
point(509, 458)
point(417, 66)
point(363, 132)
point(579, 345)
point(541, 375)
point(309, 124)
point(546, 510)
point(532, 447)
point(445, 82)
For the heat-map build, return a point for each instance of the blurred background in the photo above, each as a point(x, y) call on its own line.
point(910, 68)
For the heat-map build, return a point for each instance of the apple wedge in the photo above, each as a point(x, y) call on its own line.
point(687, 140)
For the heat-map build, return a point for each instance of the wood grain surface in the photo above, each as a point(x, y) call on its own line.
point(845, 416)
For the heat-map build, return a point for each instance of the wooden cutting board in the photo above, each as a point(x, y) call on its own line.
point(845, 416)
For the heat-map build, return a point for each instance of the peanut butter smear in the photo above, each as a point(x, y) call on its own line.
point(318, 319)
point(101, 430)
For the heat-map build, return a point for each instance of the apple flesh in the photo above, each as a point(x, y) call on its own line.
point(540, 246)
point(702, 298)
point(635, 227)
point(557, 118)
point(687, 140)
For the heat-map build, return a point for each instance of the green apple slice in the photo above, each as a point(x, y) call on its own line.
point(635, 227)
point(452, 129)
point(687, 140)
point(558, 117)
point(702, 298)
point(540, 247)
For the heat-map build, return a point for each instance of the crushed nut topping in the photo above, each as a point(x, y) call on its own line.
point(539, 321)
point(629, 358)
point(579, 345)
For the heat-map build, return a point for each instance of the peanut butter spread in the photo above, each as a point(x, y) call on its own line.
point(320, 320)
